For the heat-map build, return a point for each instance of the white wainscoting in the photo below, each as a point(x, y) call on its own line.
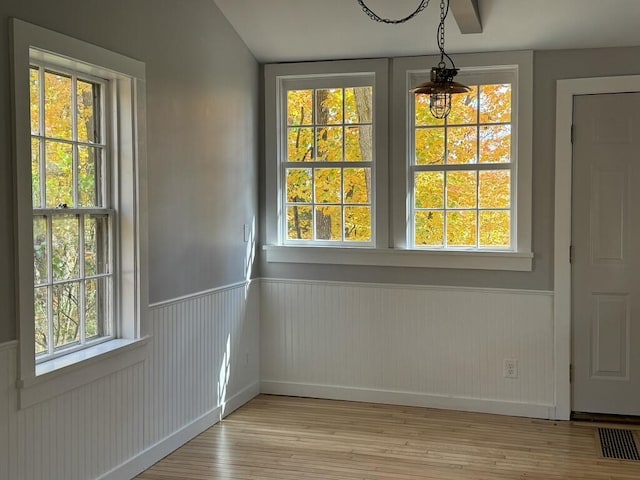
point(439, 347)
point(202, 363)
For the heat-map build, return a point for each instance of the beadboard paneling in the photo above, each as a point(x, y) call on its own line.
point(204, 351)
point(115, 426)
point(435, 346)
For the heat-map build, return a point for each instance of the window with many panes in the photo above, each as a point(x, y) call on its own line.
point(72, 211)
point(327, 161)
point(461, 170)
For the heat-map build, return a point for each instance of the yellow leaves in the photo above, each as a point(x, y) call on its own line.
point(495, 103)
point(328, 185)
point(461, 207)
point(59, 174)
point(300, 107)
point(329, 144)
point(299, 185)
point(430, 146)
point(34, 93)
point(58, 108)
point(495, 142)
point(495, 189)
point(329, 125)
point(462, 144)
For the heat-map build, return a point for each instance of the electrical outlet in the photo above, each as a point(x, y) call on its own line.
point(510, 368)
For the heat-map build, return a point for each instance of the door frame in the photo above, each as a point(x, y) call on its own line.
point(565, 91)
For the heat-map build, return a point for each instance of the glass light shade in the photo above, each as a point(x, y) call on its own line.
point(440, 104)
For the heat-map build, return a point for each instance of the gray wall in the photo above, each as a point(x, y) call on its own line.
point(549, 66)
point(202, 109)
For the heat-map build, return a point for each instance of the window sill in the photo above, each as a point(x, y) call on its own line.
point(486, 260)
point(60, 375)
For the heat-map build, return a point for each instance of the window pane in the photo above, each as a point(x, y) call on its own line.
point(358, 144)
point(329, 223)
point(329, 141)
point(89, 169)
point(35, 173)
point(329, 106)
point(299, 223)
point(40, 254)
point(357, 185)
point(34, 93)
point(300, 145)
point(300, 107)
point(357, 224)
point(358, 105)
point(40, 303)
point(299, 185)
point(58, 108)
point(430, 146)
point(59, 166)
point(65, 247)
point(96, 244)
point(423, 112)
point(429, 190)
point(429, 229)
point(495, 103)
point(495, 189)
point(88, 119)
point(328, 185)
point(66, 314)
point(495, 144)
point(464, 108)
point(495, 229)
point(461, 228)
point(462, 144)
point(461, 189)
point(96, 291)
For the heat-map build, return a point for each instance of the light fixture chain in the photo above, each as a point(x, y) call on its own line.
point(374, 16)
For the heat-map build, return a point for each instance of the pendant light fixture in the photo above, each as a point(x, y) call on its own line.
point(441, 86)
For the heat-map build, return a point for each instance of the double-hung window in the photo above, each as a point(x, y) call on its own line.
point(80, 155)
point(73, 214)
point(327, 161)
point(461, 168)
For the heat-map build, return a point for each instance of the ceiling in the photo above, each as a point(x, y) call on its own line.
point(296, 30)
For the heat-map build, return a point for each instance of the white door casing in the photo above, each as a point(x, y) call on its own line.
point(605, 265)
point(565, 91)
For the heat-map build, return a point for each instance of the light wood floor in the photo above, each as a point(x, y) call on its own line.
point(292, 438)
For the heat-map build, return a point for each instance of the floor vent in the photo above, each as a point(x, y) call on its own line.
point(618, 444)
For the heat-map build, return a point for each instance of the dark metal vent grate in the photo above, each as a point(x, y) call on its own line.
point(617, 443)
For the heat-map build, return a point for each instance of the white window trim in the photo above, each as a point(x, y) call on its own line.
point(392, 207)
point(276, 74)
point(128, 80)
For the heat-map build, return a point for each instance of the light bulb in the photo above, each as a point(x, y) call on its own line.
point(440, 104)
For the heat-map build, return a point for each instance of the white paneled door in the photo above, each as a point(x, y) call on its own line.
point(606, 254)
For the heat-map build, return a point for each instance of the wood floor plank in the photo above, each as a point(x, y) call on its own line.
point(288, 438)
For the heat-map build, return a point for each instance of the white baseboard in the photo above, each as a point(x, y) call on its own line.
point(407, 398)
point(157, 452)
